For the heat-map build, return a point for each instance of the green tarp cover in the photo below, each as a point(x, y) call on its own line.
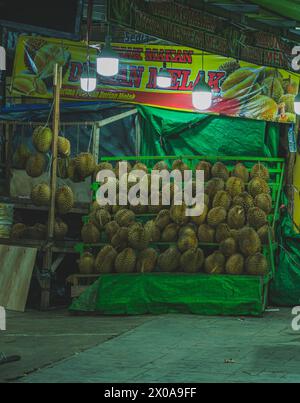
point(159, 293)
point(166, 132)
point(285, 288)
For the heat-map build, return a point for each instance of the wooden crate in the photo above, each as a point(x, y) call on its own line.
point(80, 282)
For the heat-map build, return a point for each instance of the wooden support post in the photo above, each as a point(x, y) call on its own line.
point(46, 275)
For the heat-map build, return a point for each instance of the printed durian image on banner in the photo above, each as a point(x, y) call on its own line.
point(239, 89)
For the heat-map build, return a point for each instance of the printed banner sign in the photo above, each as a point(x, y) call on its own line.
point(239, 89)
point(191, 26)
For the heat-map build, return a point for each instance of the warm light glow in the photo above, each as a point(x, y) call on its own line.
point(202, 100)
point(88, 84)
point(163, 81)
point(297, 104)
point(107, 66)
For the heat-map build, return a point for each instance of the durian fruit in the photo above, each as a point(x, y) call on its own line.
point(111, 228)
point(179, 214)
point(256, 217)
point(85, 164)
point(163, 219)
point(120, 239)
point(188, 229)
point(235, 234)
point(213, 186)
point(236, 78)
point(146, 261)
point(18, 231)
point(35, 165)
point(103, 166)
point(257, 186)
point(86, 263)
point(236, 217)
point(105, 260)
point(139, 209)
point(192, 260)
point(249, 241)
point(73, 173)
point(41, 194)
point(90, 233)
point(215, 263)
point(206, 234)
point(169, 260)
point(244, 200)
point(264, 202)
point(140, 167)
point(138, 237)
point(206, 167)
point(219, 170)
point(153, 230)
point(272, 88)
point(125, 217)
point(161, 166)
point(235, 264)
point(64, 200)
point(240, 171)
point(257, 265)
point(21, 156)
point(288, 101)
point(60, 229)
point(263, 233)
point(259, 170)
point(180, 165)
point(230, 67)
point(216, 216)
point(264, 108)
point(235, 186)
point(126, 261)
point(127, 166)
point(42, 139)
point(290, 86)
point(222, 199)
point(170, 233)
point(62, 168)
point(63, 147)
point(223, 232)
point(200, 219)
point(101, 217)
point(228, 247)
point(186, 242)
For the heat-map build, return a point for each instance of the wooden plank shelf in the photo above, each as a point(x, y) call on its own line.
point(25, 204)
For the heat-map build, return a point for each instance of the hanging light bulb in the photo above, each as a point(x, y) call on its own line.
point(108, 60)
point(164, 78)
point(297, 104)
point(202, 95)
point(88, 81)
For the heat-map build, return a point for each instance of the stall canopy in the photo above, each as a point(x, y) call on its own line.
point(182, 133)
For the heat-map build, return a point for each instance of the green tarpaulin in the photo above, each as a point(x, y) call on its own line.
point(167, 132)
point(159, 293)
point(285, 288)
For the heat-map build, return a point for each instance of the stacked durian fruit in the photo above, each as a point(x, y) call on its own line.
point(227, 238)
point(35, 165)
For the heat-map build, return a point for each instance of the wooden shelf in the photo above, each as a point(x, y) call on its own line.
point(25, 204)
point(58, 247)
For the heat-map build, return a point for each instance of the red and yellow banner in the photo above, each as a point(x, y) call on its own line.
point(239, 89)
